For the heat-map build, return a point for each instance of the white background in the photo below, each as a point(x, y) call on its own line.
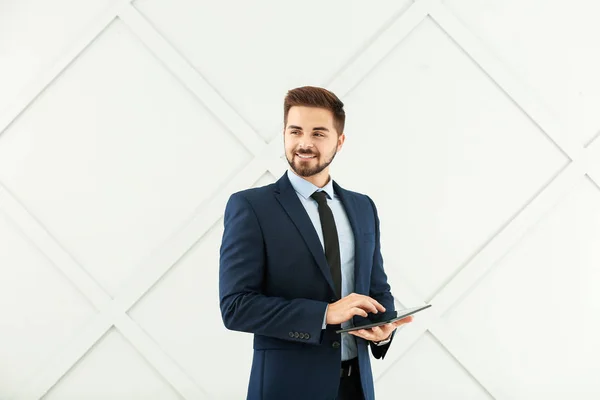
point(126, 126)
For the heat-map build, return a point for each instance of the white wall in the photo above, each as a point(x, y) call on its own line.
point(125, 127)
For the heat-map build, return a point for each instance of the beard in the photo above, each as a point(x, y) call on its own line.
point(307, 168)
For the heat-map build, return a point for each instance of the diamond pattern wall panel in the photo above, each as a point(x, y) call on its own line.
point(179, 310)
point(456, 156)
point(551, 46)
point(471, 130)
point(270, 45)
point(112, 370)
point(40, 309)
point(33, 34)
point(537, 313)
point(427, 372)
point(182, 314)
point(109, 181)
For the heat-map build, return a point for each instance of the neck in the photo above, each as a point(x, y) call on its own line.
point(319, 180)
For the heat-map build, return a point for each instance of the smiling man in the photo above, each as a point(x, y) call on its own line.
point(300, 259)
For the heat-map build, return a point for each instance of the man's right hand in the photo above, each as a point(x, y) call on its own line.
point(351, 305)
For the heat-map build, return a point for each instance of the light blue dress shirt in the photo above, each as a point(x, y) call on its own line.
point(304, 189)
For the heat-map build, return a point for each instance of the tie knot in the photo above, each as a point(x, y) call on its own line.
point(320, 197)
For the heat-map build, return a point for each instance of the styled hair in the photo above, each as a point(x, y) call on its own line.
point(310, 96)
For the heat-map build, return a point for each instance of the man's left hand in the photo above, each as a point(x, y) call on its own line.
point(382, 332)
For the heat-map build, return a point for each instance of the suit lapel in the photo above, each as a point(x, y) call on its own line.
point(352, 210)
point(287, 197)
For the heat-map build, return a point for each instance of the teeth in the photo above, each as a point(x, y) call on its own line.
point(301, 156)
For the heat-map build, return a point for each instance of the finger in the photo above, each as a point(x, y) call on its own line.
point(366, 305)
point(363, 333)
point(369, 304)
point(388, 328)
point(368, 334)
point(385, 332)
point(403, 321)
point(359, 311)
point(364, 299)
point(376, 304)
point(377, 331)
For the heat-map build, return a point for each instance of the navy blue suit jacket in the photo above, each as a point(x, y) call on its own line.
point(274, 282)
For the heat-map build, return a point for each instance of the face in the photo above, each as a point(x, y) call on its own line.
point(311, 141)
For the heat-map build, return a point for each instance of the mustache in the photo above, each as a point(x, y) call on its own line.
point(306, 152)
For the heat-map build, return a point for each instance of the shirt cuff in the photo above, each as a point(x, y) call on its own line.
point(325, 317)
point(383, 342)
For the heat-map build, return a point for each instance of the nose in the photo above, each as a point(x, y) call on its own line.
point(305, 144)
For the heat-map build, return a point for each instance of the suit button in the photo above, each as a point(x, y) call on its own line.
point(306, 336)
point(291, 334)
point(335, 345)
point(296, 335)
point(301, 335)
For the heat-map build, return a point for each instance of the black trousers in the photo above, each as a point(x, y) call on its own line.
point(350, 387)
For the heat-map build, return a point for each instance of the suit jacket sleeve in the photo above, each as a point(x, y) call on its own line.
point(242, 267)
point(380, 289)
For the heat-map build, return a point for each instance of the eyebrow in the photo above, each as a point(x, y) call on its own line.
point(317, 128)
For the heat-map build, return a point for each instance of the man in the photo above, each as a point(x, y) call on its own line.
point(301, 258)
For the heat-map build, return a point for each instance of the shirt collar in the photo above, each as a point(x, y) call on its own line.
point(306, 189)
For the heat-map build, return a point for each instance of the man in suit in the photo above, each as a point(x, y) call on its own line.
point(301, 258)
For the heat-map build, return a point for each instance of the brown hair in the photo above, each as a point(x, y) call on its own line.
point(310, 96)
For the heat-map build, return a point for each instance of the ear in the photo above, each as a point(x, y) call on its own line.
point(341, 140)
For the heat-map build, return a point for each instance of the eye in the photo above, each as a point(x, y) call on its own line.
point(294, 132)
point(319, 134)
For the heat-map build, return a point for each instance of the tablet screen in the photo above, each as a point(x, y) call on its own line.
point(400, 314)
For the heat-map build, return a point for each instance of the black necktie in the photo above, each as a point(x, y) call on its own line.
point(330, 239)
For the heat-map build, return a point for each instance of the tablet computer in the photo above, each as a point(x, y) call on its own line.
point(400, 314)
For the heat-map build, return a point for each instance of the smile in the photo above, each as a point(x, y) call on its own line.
point(306, 157)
